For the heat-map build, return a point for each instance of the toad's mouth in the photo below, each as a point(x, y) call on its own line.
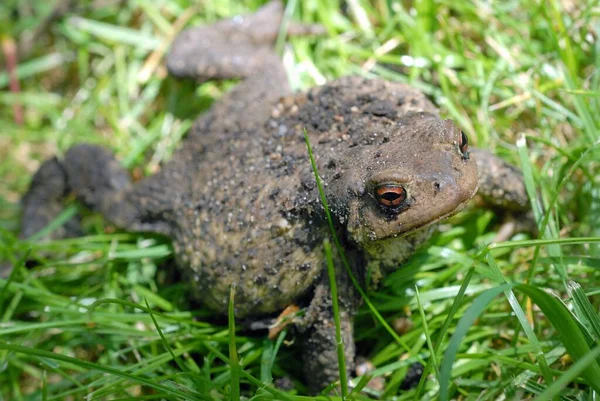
point(405, 224)
point(441, 217)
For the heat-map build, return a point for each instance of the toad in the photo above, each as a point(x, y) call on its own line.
point(240, 201)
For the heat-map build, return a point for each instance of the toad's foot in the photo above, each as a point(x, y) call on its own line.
point(238, 47)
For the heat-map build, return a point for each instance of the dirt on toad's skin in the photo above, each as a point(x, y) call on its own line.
point(239, 198)
point(250, 213)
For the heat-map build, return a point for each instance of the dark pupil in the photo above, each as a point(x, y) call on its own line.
point(390, 196)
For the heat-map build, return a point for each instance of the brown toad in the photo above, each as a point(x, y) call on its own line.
point(239, 199)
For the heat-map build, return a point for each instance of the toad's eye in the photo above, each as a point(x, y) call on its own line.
point(463, 145)
point(390, 195)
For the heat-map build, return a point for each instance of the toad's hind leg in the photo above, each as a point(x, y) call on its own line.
point(238, 48)
point(95, 178)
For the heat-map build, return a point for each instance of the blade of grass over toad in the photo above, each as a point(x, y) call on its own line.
point(176, 391)
point(342, 255)
point(234, 362)
point(285, 22)
point(336, 318)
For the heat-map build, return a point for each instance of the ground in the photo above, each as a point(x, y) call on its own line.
point(88, 317)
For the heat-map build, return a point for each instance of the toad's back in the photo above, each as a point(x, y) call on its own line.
point(243, 205)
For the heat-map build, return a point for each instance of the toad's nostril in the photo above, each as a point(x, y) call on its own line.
point(437, 187)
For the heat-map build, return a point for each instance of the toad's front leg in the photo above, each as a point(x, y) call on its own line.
point(320, 359)
point(502, 187)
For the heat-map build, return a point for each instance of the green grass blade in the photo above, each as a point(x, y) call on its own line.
point(360, 386)
point(67, 214)
point(427, 333)
point(176, 358)
point(269, 353)
point(13, 274)
point(116, 34)
point(279, 395)
point(571, 374)
point(444, 329)
point(176, 391)
point(584, 309)
point(234, 362)
point(37, 66)
point(572, 335)
point(466, 321)
point(336, 319)
point(520, 314)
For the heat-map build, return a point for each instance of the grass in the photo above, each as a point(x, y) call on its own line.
point(101, 317)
